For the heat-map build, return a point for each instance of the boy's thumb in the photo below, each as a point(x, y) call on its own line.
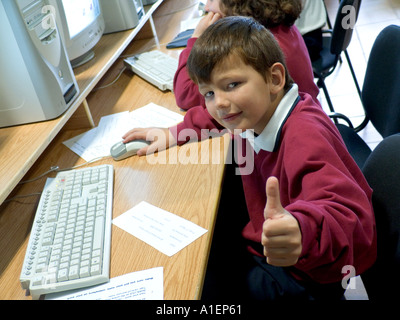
point(273, 206)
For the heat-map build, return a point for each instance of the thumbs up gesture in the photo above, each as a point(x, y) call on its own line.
point(281, 236)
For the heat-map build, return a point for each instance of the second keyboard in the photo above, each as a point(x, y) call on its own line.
point(156, 67)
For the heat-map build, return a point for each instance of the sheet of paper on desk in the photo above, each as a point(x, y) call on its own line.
point(140, 285)
point(97, 142)
point(161, 229)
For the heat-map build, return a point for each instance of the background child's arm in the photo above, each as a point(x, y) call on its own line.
point(186, 91)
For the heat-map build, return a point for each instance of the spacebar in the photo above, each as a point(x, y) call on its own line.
point(98, 234)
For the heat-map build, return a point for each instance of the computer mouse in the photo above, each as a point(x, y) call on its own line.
point(122, 150)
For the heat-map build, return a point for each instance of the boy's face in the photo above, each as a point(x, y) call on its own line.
point(213, 6)
point(239, 97)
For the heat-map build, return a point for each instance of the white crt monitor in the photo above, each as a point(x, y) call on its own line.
point(81, 24)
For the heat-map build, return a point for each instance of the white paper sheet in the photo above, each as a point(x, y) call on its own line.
point(161, 229)
point(140, 285)
point(97, 142)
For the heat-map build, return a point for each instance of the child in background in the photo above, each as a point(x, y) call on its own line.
point(279, 17)
point(308, 204)
point(310, 23)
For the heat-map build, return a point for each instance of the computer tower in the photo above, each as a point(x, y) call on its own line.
point(36, 79)
point(120, 15)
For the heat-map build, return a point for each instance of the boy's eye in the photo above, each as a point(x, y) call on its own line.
point(208, 94)
point(233, 85)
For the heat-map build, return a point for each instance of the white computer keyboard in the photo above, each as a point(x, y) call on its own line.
point(70, 241)
point(156, 67)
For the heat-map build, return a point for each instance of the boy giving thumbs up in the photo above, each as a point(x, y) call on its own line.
point(308, 204)
point(281, 236)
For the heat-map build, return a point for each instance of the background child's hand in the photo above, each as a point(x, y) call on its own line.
point(281, 236)
point(204, 23)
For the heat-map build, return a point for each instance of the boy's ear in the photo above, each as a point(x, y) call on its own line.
point(278, 78)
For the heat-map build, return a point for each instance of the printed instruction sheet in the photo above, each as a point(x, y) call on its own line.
point(161, 229)
point(140, 285)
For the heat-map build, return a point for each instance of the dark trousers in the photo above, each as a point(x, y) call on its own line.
point(236, 275)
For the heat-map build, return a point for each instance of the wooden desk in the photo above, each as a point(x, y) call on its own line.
point(189, 190)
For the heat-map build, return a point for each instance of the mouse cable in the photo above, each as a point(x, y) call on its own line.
point(111, 83)
point(22, 196)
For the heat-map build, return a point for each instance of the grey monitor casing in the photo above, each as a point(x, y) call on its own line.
point(120, 15)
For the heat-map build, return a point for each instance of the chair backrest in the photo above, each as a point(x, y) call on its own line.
point(343, 28)
point(381, 88)
point(382, 171)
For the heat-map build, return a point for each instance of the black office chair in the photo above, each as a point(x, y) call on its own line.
point(380, 95)
point(334, 42)
point(382, 171)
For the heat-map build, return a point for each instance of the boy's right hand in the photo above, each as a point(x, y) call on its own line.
point(160, 138)
point(281, 236)
point(204, 23)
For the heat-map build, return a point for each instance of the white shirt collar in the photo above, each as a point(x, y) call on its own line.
point(268, 137)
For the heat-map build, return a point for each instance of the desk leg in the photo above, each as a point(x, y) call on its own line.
point(88, 113)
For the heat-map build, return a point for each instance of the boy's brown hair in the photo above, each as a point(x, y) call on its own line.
point(240, 36)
